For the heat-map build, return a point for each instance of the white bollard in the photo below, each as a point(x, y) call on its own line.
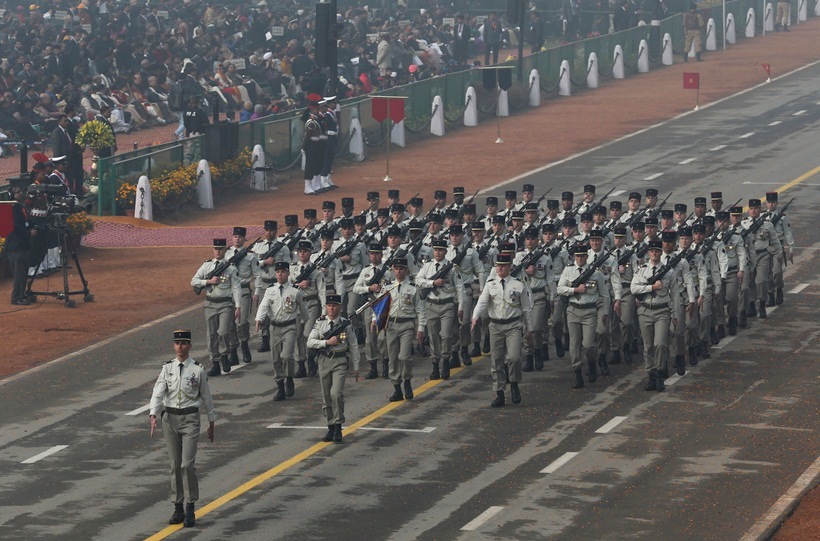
point(564, 83)
point(437, 123)
point(768, 18)
point(750, 23)
point(144, 209)
point(471, 109)
point(397, 134)
point(817, 9)
point(666, 54)
point(731, 37)
point(535, 89)
point(356, 145)
point(802, 10)
point(258, 174)
point(204, 189)
point(618, 63)
point(711, 36)
point(503, 103)
point(641, 23)
point(643, 57)
point(592, 71)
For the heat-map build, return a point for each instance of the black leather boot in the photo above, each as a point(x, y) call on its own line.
point(538, 359)
point(408, 390)
point(659, 383)
point(246, 353)
point(445, 369)
point(435, 374)
point(312, 365)
point(397, 394)
point(651, 384)
point(226, 364)
point(545, 351)
point(616, 357)
point(374, 370)
point(331, 431)
point(778, 300)
point(476, 352)
point(627, 355)
point(559, 347)
point(770, 300)
point(698, 58)
point(179, 514)
point(301, 372)
point(465, 356)
point(215, 370)
point(634, 346)
point(234, 357)
point(190, 516)
point(527, 364)
point(721, 333)
point(602, 364)
point(752, 311)
point(337, 433)
point(499, 400)
point(455, 361)
point(579, 379)
point(280, 391)
point(385, 368)
point(743, 320)
point(485, 348)
point(731, 328)
point(265, 345)
point(592, 371)
point(515, 393)
point(704, 350)
point(686, 56)
point(680, 365)
point(289, 389)
point(693, 356)
point(713, 336)
point(762, 310)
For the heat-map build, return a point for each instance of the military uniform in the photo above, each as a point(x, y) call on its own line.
point(375, 348)
point(315, 293)
point(267, 277)
point(710, 292)
point(783, 229)
point(351, 267)
point(764, 247)
point(470, 269)
point(621, 326)
point(687, 295)
point(541, 284)
point(731, 253)
point(557, 317)
point(249, 274)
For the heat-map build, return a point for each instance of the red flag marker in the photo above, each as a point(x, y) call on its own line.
point(768, 69)
point(691, 81)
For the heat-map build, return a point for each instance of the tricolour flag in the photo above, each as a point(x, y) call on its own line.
point(381, 310)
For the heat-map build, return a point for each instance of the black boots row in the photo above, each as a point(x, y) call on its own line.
point(397, 394)
point(500, 401)
point(284, 389)
point(334, 433)
point(186, 517)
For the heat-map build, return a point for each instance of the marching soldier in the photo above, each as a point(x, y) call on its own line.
point(679, 216)
point(700, 279)
point(599, 222)
point(538, 277)
point(395, 242)
point(717, 204)
point(487, 252)
point(444, 298)
point(683, 305)
point(332, 271)
point(609, 269)
point(766, 246)
point(731, 252)
point(305, 276)
point(337, 355)
point(248, 270)
point(736, 224)
point(633, 207)
point(784, 235)
point(373, 206)
point(567, 206)
point(223, 298)
point(374, 347)
point(265, 263)
point(651, 198)
point(588, 199)
point(291, 236)
point(440, 205)
point(351, 267)
point(492, 211)
point(281, 309)
point(621, 324)
point(507, 303)
point(560, 260)
point(711, 291)
point(470, 269)
point(309, 231)
point(700, 211)
point(510, 202)
point(551, 216)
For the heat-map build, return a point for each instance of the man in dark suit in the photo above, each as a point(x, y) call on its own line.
point(492, 39)
point(18, 245)
point(571, 12)
point(535, 36)
point(461, 40)
point(622, 16)
point(61, 142)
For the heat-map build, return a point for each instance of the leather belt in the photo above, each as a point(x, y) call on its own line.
point(730, 269)
point(758, 252)
point(656, 306)
point(448, 300)
point(627, 285)
point(311, 298)
point(350, 276)
point(283, 323)
point(505, 321)
point(584, 306)
point(218, 299)
point(403, 319)
point(182, 411)
point(268, 280)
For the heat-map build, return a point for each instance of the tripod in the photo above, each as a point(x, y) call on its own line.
point(66, 245)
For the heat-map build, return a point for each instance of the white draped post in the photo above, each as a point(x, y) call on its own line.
point(258, 166)
point(564, 83)
point(768, 19)
point(471, 109)
point(535, 89)
point(144, 209)
point(618, 63)
point(666, 54)
point(204, 189)
point(437, 122)
point(643, 57)
point(731, 35)
point(356, 145)
point(503, 103)
point(711, 35)
point(397, 135)
point(592, 71)
point(750, 23)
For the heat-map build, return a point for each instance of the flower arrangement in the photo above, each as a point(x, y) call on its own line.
point(95, 134)
point(79, 224)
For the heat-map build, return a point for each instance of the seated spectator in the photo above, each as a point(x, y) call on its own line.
point(247, 111)
point(258, 111)
point(116, 118)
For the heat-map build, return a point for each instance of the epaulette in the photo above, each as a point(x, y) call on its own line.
point(321, 318)
point(197, 363)
point(490, 280)
point(168, 362)
point(644, 265)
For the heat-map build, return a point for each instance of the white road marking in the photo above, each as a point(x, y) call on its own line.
point(687, 160)
point(799, 288)
point(764, 426)
point(775, 123)
point(425, 430)
point(673, 379)
point(719, 147)
point(653, 177)
point(35, 458)
point(746, 135)
point(560, 461)
point(760, 183)
point(482, 518)
point(725, 342)
point(610, 425)
point(616, 193)
point(137, 411)
point(798, 113)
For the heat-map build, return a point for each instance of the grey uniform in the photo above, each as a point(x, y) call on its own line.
point(374, 344)
point(442, 304)
point(687, 294)
point(542, 293)
point(582, 312)
point(765, 245)
point(407, 316)
point(711, 292)
point(315, 294)
point(784, 234)
point(281, 309)
point(731, 253)
point(249, 274)
point(267, 276)
point(350, 272)
point(620, 327)
point(220, 300)
point(655, 311)
point(471, 268)
point(334, 362)
point(605, 315)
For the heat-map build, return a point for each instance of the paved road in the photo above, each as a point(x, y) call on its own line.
point(702, 461)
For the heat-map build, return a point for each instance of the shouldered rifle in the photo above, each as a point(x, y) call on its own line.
point(555, 250)
point(336, 328)
point(590, 270)
point(408, 201)
point(528, 260)
point(286, 241)
point(626, 256)
point(330, 226)
point(379, 274)
point(604, 198)
point(446, 268)
point(757, 223)
point(779, 214)
point(656, 210)
point(543, 196)
point(482, 253)
point(669, 265)
point(223, 265)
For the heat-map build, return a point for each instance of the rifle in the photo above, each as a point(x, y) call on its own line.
point(401, 252)
point(604, 198)
point(334, 330)
point(626, 256)
point(777, 215)
point(444, 270)
point(313, 235)
point(668, 266)
point(590, 270)
point(657, 210)
point(408, 201)
point(543, 196)
point(482, 253)
point(528, 260)
point(223, 266)
point(285, 242)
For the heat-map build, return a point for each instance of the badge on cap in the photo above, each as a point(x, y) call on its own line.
point(182, 335)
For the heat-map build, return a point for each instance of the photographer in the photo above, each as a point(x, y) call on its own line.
point(18, 245)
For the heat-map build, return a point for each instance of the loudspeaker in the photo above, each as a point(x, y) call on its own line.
point(325, 34)
point(221, 141)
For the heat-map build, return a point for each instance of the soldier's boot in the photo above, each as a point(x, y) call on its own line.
point(179, 514)
point(704, 350)
point(616, 357)
point(579, 379)
point(246, 353)
point(527, 364)
point(313, 366)
point(721, 333)
point(486, 346)
point(713, 336)
point(455, 361)
point(743, 320)
point(785, 28)
point(337, 433)
point(360, 337)
point(778, 300)
point(435, 374)
point(770, 300)
point(698, 58)
point(651, 385)
point(215, 370)
point(265, 345)
point(476, 351)
point(445, 369)
point(301, 372)
point(752, 311)
point(680, 365)
point(777, 27)
point(559, 347)
point(762, 310)
point(660, 384)
point(592, 371)
point(397, 395)
point(731, 328)
point(634, 346)
point(234, 357)
point(627, 355)
point(226, 364)
point(465, 356)
point(385, 368)
point(515, 393)
point(545, 352)
point(538, 359)
point(289, 389)
point(686, 56)
point(408, 390)
point(602, 363)
point(374, 370)
point(280, 391)
point(331, 431)
point(190, 516)
point(499, 400)
point(693, 356)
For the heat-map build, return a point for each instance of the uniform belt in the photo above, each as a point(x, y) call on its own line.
point(283, 323)
point(246, 284)
point(268, 280)
point(182, 411)
point(505, 321)
point(350, 276)
point(656, 306)
point(730, 269)
point(626, 284)
point(448, 300)
point(584, 306)
point(218, 299)
point(758, 252)
point(332, 132)
point(403, 319)
point(311, 298)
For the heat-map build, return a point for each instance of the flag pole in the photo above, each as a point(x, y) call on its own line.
point(387, 176)
point(368, 304)
point(697, 97)
point(498, 115)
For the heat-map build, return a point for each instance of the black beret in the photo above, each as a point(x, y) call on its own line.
point(492, 200)
point(304, 245)
point(392, 194)
point(281, 265)
point(328, 205)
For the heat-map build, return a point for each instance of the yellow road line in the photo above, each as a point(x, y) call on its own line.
point(298, 458)
point(791, 184)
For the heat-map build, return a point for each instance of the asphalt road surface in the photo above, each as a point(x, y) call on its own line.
point(703, 460)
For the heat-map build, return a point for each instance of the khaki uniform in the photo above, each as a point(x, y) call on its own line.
point(470, 268)
point(710, 294)
point(783, 230)
point(692, 25)
point(375, 348)
point(334, 362)
point(765, 245)
point(558, 316)
point(685, 286)
point(281, 309)
point(220, 301)
point(606, 314)
point(248, 270)
point(350, 273)
point(732, 259)
point(542, 291)
point(655, 312)
point(179, 391)
point(267, 276)
point(315, 294)
point(621, 327)
point(442, 304)
point(407, 316)
point(582, 313)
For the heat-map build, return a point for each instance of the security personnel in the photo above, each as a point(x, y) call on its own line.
point(784, 235)
point(717, 203)
point(736, 225)
point(538, 277)
point(492, 211)
point(633, 207)
point(282, 308)
point(374, 345)
point(506, 301)
point(249, 274)
point(313, 285)
point(711, 291)
point(655, 310)
point(313, 145)
point(373, 206)
point(766, 246)
point(621, 324)
point(337, 355)
point(732, 261)
point(395, 242)
point(223, 298)
point(567, 205)
point(407, 320)
point(181, 388)
point(487, 250)
point(267, 277)
point(330, 126)
point(470, 269)
point(585, 301)
point(692, 24)
point(332, 271)
point(700, 279)
point(588, 199)
point(444, 302)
